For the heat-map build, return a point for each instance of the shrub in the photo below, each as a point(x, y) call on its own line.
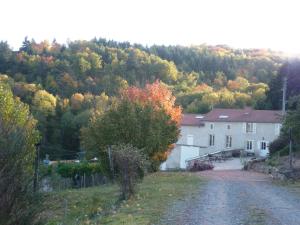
point(129, 163)
point(200, 166)
point(280, 143)
point(70, 170)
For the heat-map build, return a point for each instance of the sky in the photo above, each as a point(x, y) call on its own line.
point(270, 24)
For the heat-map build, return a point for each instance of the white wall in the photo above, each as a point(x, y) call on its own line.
point(264, 131)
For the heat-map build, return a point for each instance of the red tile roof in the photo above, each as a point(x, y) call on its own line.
point(191, 120)
point(234, 115)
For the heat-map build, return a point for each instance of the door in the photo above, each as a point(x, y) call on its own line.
point(264, 149)
point(187, 152)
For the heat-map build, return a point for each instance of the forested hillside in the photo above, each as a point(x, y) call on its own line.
point(67, 84)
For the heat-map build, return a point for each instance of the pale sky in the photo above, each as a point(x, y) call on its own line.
point(238, 23)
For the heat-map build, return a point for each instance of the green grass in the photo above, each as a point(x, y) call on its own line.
point(99, 205)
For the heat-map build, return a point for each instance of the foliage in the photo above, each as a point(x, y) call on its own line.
point(156, 94)
point(70, 170)
point(200, 166)
point(18, 136)
point(142, 126)
point(130, 165)
point(280, 143)
point(63, 83)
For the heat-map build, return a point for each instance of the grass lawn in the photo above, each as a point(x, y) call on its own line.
point(99, 205)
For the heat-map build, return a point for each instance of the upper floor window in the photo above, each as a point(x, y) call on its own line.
point(228, 141)
point(228, 126)
point(211, 140)
point(212, 126)
point(250, 127)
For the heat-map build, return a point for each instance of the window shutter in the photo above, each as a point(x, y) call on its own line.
point(244, 128)
point(254, 128)
point(258, 145)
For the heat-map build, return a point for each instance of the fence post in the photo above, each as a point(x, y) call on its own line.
point(111, 163)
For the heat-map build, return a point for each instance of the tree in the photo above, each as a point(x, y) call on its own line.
point(18, 136)
point(141, 125)
point(156, 94)
point(44, 102)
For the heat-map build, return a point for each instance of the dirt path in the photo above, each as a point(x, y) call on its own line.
point(236, 197)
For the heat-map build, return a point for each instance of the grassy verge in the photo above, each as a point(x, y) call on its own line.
point(99, 205)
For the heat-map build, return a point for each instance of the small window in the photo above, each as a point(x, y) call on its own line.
point(211, 140)
point(249, 127)
point(211, 126)
point(228, 141)
point(263, 145)
point(228, 126)
point(223, 117)
point(249, 145)
point(190, 139)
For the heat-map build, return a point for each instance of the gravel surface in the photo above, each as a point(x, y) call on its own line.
point(236, 197)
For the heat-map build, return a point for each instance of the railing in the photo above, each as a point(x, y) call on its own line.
point(209, 157)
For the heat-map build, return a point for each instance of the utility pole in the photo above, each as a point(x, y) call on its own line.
point(284, 112)
point(284, 94)
point(290, 149)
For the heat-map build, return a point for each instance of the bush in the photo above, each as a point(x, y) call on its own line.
point(70, 170)
point(129, 163)
point(200, 166)
point(280, 143)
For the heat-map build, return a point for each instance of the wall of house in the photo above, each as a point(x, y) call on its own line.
point(262, 131)
point(200, 139)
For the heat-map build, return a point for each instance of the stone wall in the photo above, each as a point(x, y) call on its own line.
point(259, 165)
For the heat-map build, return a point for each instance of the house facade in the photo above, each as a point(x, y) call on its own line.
point(224, 130)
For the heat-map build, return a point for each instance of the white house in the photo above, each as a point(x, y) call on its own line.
point(225, 129)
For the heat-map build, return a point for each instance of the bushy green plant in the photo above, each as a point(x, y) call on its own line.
point(280, 143)
point(69, 170)
point(129, 163)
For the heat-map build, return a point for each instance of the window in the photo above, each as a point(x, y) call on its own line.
point(190, 139)
point(228, 141)
point(212, 126)
point(211, 140)
point(249, 145)
point(228, 127)
point(249, 127)
point(263, 145)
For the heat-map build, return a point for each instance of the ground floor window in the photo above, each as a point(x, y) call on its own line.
point(228, 141)
point(249, 145)
point(263, 145)
point(211, 140)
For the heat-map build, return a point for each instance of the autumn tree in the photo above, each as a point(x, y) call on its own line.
point(144, 118)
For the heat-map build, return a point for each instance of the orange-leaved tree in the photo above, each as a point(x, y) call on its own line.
point(158, 95)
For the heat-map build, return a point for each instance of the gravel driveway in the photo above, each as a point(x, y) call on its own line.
point(236, 197)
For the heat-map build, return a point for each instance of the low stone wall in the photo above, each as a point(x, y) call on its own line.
point(259, 165)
